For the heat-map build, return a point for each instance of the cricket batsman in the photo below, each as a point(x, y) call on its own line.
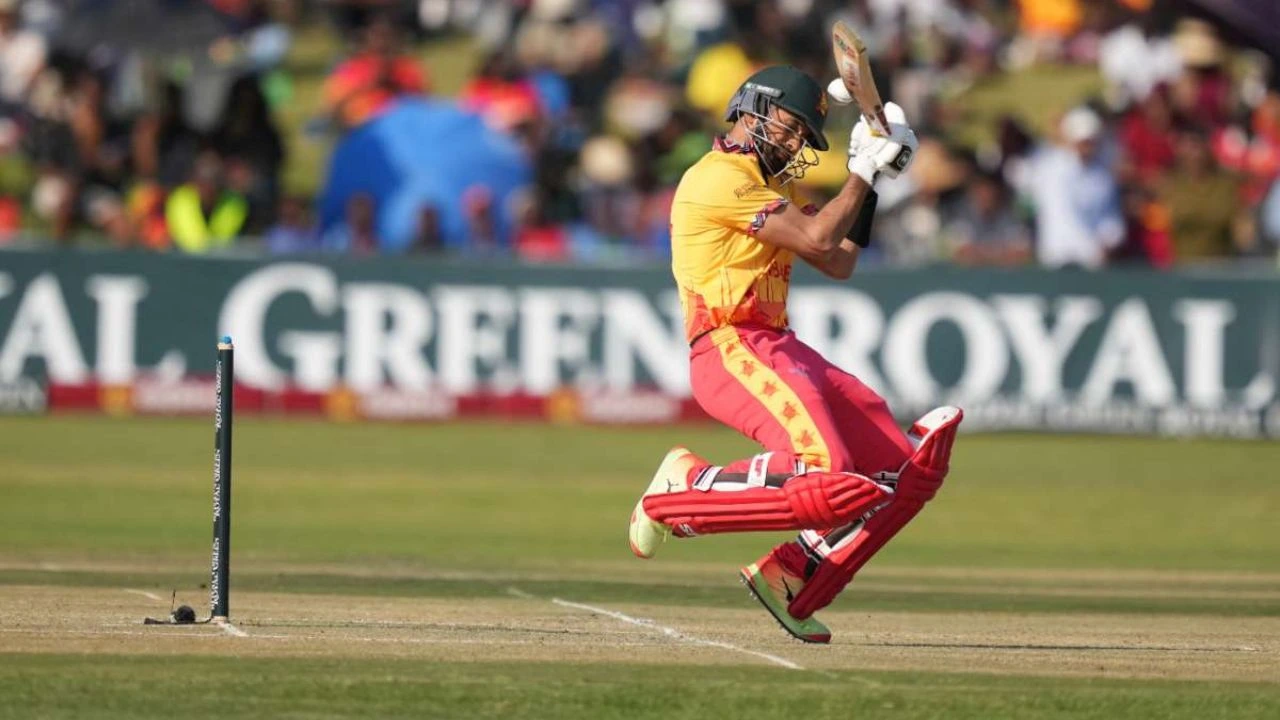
point(835, 465)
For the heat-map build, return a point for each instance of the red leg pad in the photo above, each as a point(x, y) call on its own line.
point(923, 472)
point(838, 568)
point(918, 481)
point(805, 502)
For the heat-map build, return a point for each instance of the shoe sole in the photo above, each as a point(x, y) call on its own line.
point(631, 540)
point(811, 640)
point(639, 507)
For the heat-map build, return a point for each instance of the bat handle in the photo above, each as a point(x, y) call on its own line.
point(879, 123)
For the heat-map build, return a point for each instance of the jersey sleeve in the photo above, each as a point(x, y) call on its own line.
point(727, 194)
point(800, 199)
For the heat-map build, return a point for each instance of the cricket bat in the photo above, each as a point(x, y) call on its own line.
point(855, 71)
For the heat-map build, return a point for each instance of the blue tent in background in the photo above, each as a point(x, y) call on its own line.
point(424, 153)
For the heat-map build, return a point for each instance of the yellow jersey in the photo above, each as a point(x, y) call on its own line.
point(725, 275)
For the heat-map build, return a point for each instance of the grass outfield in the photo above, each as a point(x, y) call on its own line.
point(481, 570)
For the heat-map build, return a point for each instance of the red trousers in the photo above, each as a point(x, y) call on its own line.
point(776, 390)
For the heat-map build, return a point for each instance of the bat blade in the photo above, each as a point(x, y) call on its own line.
point(854, 66)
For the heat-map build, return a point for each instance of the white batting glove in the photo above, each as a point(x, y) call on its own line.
point(900, 150)
point(862, 161)
point(871, 155)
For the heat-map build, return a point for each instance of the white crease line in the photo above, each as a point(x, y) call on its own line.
point(667, 631)
point(145, 594)
point(93, 633)
point(676, 634)
point(401, 641)
point(228, 628)
point(259, 636)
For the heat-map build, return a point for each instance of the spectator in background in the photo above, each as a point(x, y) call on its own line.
point(1263, 162)
point(351, 17)
point(543, 66)
point(1045, 26)
point(719, 69)
point(598, 93)
point(675, 147)
point(482, 223)
point(1201, 200)
point(661, 157)
point(294, 232)
point(637, 106)
point(248, 138)
point(260, 37)
point(611, 204)
point(1253, 150)
point(165, 145)
point(1136, 58)
point(912, 211)
point(10, 219)
point(984, 229)
point(1269, 216)
point(357, 234)
point(537, 239)
point(1202, 94)
point(1076, 199)
point(146, 208)
point(1011, 155)
point(105, 211)
point(203, 215)
point(1147, 138)
point(363, 85)
point(22, 55)
point(689, 26)
point(50, 141)
point(505, 98)
point(557, 37)
point(102, 174)
point(1147, 239)
point(86, 115)
point(428, 236)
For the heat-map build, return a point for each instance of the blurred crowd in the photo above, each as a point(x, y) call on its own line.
point(157, 123)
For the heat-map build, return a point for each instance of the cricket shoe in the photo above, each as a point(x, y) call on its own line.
point(774, 585)
point(672, 476)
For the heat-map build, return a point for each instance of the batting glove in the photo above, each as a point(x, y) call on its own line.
point(871, 155)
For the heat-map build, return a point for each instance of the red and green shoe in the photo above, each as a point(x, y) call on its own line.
point(774, 586)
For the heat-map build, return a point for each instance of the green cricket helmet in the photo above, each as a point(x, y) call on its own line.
point(788, 88)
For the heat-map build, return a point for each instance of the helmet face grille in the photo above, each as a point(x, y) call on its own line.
point(797, 163)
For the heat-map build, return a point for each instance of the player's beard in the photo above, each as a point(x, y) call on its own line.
point(776, 161)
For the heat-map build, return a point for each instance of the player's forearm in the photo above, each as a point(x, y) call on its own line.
point(841, 263)
point(831, 225)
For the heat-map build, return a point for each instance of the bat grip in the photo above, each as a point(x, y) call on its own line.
point(879, 124)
